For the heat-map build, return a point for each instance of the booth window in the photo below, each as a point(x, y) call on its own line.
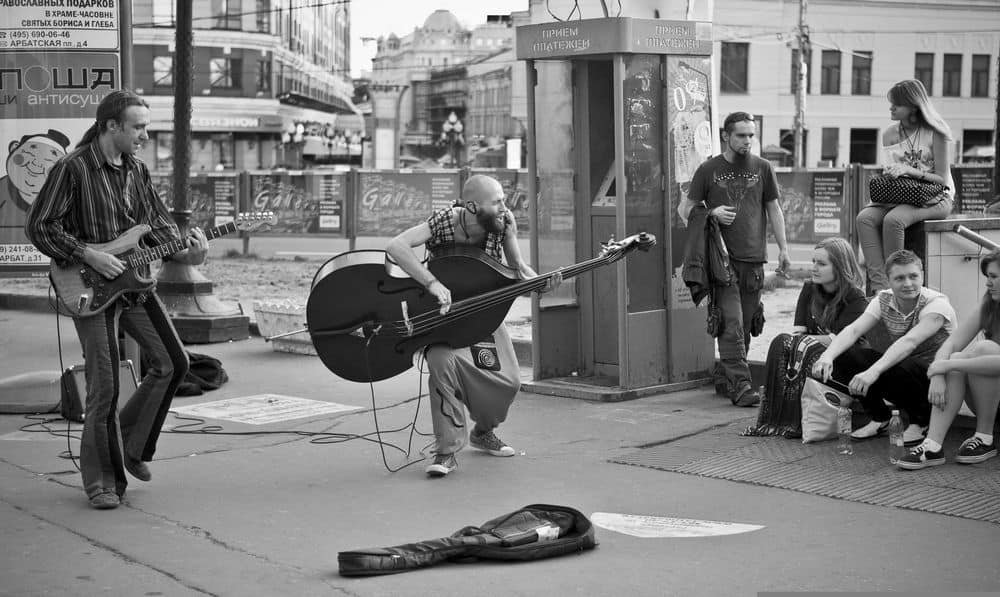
point(952, 80)
point(830, 74)
point(861, 73)
point(795, 71)
point(923, 70)
point(735, 57)
point(224, 72)
point(163, 71)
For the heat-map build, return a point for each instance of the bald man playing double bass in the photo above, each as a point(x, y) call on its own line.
point(483, 378)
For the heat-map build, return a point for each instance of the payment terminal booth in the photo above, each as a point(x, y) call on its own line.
point(619, 118)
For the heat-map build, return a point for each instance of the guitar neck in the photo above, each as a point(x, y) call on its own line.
point(144, 256)
point(538, 283)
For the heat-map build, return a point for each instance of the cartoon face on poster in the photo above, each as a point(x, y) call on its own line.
point(30, 149)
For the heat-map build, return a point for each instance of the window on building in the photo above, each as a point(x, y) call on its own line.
point(831, 145)
point(224, 72)
point(976, 145)
point(164, 156)
point(861, 73)
point(830, 73)
point(923, 70)
point(951, 82)
point(226, 13)
point(786, 140)
point(163, 13)
point(864, 146)
point(263, 16)
point(795, 71)
point(163, 71)
point(734, 67)
point(264, 76)
point(980, 75)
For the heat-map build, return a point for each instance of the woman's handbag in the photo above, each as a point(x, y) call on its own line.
point(903, 190)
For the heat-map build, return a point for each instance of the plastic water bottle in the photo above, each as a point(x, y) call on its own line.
point(896, 447)
point(844, 445)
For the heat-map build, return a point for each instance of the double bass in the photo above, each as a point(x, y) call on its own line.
point(367, 318)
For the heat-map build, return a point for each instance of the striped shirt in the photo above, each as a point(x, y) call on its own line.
point(885, 308)
point(87, 200)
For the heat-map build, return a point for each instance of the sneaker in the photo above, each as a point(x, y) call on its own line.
point(106, 500)
point(489, 442)
point(442, 465)
point(914, 434)
point(919, 458)
point(973, 450)
point(872, 429)
point(749, 397)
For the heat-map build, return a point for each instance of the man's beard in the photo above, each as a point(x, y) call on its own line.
point(493, 224)
point(740, 158)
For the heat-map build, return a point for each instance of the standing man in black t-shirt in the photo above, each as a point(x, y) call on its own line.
point(740, 190)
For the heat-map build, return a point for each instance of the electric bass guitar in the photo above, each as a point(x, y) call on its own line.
point(367, 320)
point(84, 292)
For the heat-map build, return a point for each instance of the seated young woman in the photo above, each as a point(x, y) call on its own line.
point(917, 321)
point(829, 301)
point(966, 369)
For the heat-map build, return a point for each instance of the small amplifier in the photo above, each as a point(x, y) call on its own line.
point(73, 389)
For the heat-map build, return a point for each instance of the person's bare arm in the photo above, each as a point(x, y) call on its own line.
point(400, 250)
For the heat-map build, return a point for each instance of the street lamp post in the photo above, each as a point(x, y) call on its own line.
point(451, 133)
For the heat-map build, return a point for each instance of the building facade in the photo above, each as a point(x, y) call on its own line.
point(855, 52)
point(426, 75)
point(271, 82)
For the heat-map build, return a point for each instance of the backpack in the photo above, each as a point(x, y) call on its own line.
point(790, 359)
point(534, 532)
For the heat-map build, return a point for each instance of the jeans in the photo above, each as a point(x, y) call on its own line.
point(110, 436)
point(738, 303)
point(882, 230)
point(905, 384)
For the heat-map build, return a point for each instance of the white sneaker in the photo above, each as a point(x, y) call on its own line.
point(870, 430)
point(914, 434)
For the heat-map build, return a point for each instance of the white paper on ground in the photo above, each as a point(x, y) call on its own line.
point(262, 409)
point(660, 527)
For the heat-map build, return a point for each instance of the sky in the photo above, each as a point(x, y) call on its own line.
point(372, 18)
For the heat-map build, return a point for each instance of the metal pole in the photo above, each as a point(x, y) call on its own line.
point(183, 51)
point(800, 88)
point(621, 192)
point(980, 240)
point(125, 35)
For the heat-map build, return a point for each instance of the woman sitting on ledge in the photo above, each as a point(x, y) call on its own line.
point(917, 148)
point(957, 373)
point(828, 303)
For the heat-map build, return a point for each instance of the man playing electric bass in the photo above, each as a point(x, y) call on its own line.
point(91, 196)
point(483, 377)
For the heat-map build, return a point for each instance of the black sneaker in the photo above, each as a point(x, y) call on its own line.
point(973, 451)
point(442, 465)
point(919, 458)
point(489, 442)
